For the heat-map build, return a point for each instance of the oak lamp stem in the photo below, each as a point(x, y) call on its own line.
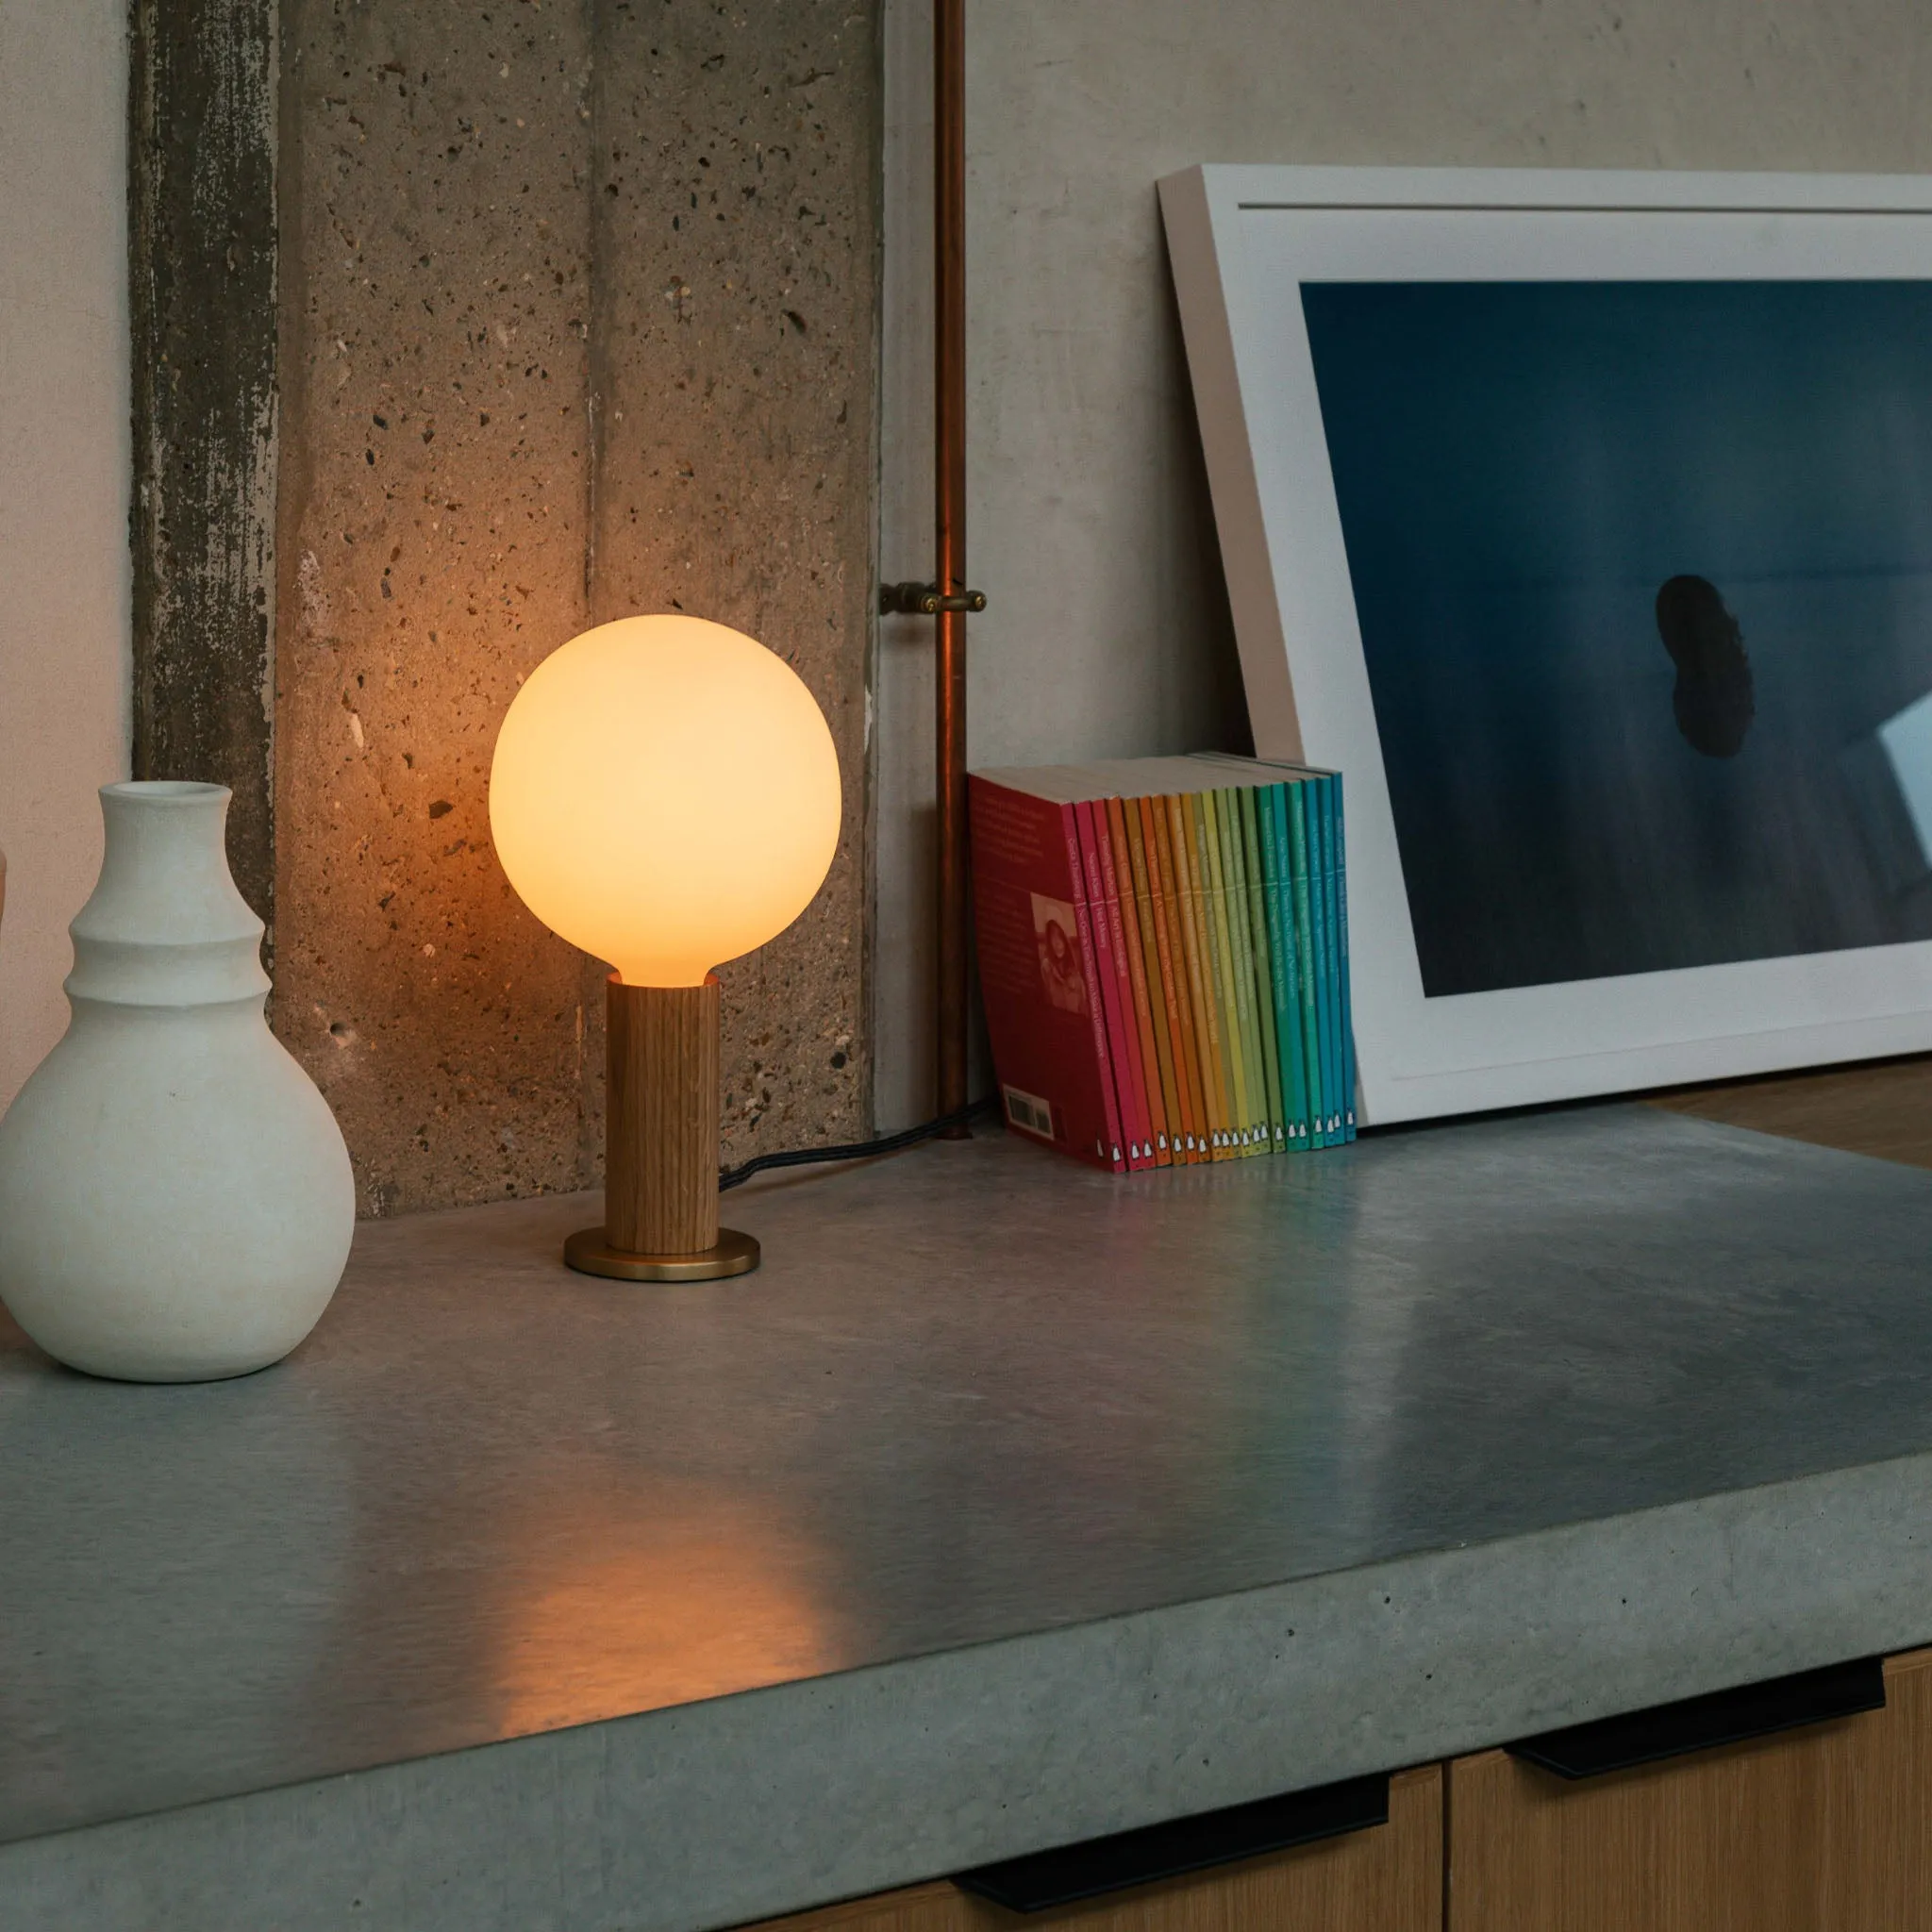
point(660, 1182)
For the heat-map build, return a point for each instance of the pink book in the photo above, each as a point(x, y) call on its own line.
point(1119, 911)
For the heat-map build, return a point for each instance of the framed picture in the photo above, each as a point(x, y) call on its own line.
point(1583, 521)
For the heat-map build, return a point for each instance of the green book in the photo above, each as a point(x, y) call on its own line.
point(1271, 805)
point(1246, 800)
point(1242, 955)
point(1221, 949)
point(1301, 855)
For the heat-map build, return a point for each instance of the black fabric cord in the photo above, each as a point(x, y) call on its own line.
point(859, 1150)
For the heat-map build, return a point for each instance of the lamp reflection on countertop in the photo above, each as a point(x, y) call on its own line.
point(630, 1591)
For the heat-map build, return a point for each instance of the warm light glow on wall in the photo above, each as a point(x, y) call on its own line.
point(665, 796)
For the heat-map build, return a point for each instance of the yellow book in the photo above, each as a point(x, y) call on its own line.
point(1143, 954)
point(1201, 984)
point(1169, 926)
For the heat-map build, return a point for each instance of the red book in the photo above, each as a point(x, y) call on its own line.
point(1116, 988)
point(1157, 1077)
point(1037, 973)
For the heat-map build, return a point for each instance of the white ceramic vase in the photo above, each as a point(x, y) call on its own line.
point(176, 1201)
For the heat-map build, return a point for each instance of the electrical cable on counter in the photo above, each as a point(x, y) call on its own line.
point(857, 1150)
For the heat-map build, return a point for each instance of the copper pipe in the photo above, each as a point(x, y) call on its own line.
point(949, 334)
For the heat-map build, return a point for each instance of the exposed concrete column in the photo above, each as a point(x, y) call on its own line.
point(535, 256)
point(734, 353)
point(531, 258)
point(435, 497)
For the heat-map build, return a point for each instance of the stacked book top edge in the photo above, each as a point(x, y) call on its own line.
point(1192, 772)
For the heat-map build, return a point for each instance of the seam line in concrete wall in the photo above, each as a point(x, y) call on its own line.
point(201, 271)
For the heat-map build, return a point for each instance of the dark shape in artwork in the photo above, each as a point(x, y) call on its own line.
point(1713, 698)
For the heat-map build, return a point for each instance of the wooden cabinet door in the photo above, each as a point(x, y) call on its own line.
point(1387, 1879)
point(1826, 1829)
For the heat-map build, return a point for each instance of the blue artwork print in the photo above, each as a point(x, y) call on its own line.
point(1643, 572)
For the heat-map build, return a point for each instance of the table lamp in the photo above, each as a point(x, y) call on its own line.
point(664, 794)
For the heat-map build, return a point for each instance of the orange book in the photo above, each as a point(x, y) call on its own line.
point(1116, 988)
point(1174, 976)
point(1205, 996)
point(1155, 1063)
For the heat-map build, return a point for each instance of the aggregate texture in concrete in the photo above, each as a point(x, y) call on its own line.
point(579, 321)
point(202, 153)
point(735, 250)
point(434, 494)
point(1008, 1505)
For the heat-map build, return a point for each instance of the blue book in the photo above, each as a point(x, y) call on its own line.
point(1331, 990)
point(1341, 934)
point(1305, 805)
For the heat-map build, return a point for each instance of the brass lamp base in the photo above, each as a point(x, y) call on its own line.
point(589, 1252)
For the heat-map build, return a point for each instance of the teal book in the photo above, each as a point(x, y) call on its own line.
point(1303, 848)
point(1249, 796)
point(1342, 931)
point(1284, 977)
point(1296, 946)
point(1331, 835)
point(1318, 952)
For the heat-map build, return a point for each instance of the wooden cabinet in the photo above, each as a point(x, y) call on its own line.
point(1826, 1829)
point(1386, 1879)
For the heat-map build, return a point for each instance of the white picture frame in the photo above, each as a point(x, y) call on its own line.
point(1243, 242)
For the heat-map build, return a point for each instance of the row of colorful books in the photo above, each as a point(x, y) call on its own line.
point(1163, 956)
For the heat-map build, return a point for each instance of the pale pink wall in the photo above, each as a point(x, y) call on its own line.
point(65, 467)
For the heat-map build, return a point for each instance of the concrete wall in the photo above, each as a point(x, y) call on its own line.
point(65, 467)
point(435, 491)
point(1107, 632)
point(579, 310)
point(735, 346)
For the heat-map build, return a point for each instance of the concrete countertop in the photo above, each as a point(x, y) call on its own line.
point(1008, 1504)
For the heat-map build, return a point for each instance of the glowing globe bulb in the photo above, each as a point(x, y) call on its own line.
point(665, 796)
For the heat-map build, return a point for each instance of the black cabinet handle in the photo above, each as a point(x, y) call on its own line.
point(1058, 1877)
point(1698, 1723)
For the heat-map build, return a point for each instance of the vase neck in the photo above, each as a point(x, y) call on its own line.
point(165, 925)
